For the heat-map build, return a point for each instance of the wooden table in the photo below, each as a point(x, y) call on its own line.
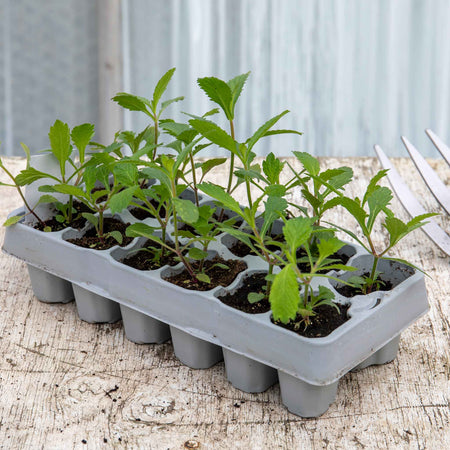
point(69, 384)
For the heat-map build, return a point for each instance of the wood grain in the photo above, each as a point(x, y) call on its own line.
point(68, 384)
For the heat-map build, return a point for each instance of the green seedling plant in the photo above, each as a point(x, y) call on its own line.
point(292, 297)
point(62, 142)
point(153, 109)
point(366, 212)
point(226, 95)
point(113, 193)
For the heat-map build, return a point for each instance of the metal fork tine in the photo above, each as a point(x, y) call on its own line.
point(414, 208)
point(437, 187)
point(439, 144)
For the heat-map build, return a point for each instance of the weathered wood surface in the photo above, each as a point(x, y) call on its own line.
point(68, 384)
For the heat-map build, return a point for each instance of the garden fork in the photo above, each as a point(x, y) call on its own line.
point(440, 191)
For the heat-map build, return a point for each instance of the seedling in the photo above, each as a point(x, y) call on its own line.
point(375, 201)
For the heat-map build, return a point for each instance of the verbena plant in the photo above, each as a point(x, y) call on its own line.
point(366, 212)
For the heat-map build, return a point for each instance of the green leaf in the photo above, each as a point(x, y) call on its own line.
point(373, 184)
point(126, 173)
point(197, 254)
point(30, 175)
point(11, 221)
point(167, 103)
point(262, 130)
point(275, 132)
point(47, 199)
point(337, 178)
point(219, 193)
point(219, 92)
point(122, 199)
point(81, 136)
point(308, 161)
point(328, 247)
point(378, 200)
point(174, 128)
point(131, 102)
point(160, 88)
point(70, 190)
point(352, 206)
point(59, 136)
point(297, 231)
point(142, 229)
point(116, 235)
point(236, 85)
point(284, 295)
point(186, 210)
point(159, 174)
point(203, 278)
point(272, 168)
point(210, 164)
point(275, 190)
point(91, 218)
point(274, 209)
point(255, 297)
point(27, 153)
point(214, 133)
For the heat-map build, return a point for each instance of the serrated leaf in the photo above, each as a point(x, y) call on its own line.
point(187, 211)
point(275, 190)
point(377, 201)
point(70, 190)
point(373, 184)
point(352, 206)
point(59, 136)
point(339, 177)
point(219, 92)
point(130, 102)
point(160, 87)
point(272, 168)
point(167, 103)
point(297, 231)
point(249, 174)
point(274, 208)
point(214, 133)
point(203, 278)
point(236, 85)
point(11, 221)
point(219, 193)
point(284, 295)
point(308, 161)
point(81, 136)
point(121, 200)
point(328, 247)
point(210, 164)
point(262, 130)
point(30, 175)
point(197, 254)
point(126, 174)
point(255, 297)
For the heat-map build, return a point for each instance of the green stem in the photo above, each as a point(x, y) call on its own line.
point(156, 137)
point(22, 196)
point(100, 224)
point(230, 176)
point(194, 178)
point(373, 272)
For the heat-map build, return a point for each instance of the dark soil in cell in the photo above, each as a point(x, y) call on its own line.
point(78, 221)
point(238, 300)
point(219, 276)
point(143, 259)
point(91, 240)
point(350, 291)
point(326, 320)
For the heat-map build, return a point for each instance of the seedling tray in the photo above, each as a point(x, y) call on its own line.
point(203, 329)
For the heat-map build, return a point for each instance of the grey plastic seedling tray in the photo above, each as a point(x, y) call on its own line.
point(204, 330)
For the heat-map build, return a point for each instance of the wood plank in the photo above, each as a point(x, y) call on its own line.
point(63, 381)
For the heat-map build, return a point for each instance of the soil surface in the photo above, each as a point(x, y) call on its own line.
point(350, 291)
point(306, 268)
point(91, 240)
point(78, 221)
point(218, 275)
point(143, 259)
point(326, 320)
point(238, 300)
point(142, 214)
